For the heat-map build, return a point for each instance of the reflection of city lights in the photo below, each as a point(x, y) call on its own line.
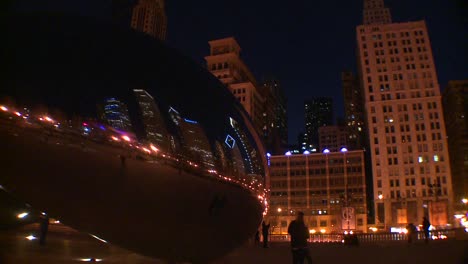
point(155, 149)
point(90, 259)
point(22, 215)
point(3, 108)
point(100, 239)
point(115, 138)
point(126, 138)
point(146, 150)
point(18, 113)
point(30, 237)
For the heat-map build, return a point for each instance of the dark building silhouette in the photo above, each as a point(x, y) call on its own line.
point(121, 12)
point(318, 112)
point(275, 120)
point(354, 110)
point(455, 100)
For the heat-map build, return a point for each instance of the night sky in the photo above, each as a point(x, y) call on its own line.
point(303, 43)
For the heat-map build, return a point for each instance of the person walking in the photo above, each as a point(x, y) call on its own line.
point(426, 225)
point(44, 227)
point(299, 233)
point(265, 233)
point(411, 232)
point(257, 238)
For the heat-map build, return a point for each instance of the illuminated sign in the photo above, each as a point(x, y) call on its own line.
point(230, 141)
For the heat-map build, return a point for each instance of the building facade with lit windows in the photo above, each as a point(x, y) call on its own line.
point(354, 112)
point(155, 130)
point(410, 160)
point(332, 138)
point(149, 17)
point(455, 99)
point(115, 113)
point(318, 112)
point(224, 63)
point(320, 185)
point(275, 120)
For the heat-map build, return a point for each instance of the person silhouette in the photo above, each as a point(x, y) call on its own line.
point(411, 232)
point(265, 233)
point(257, 237)
point(426, 225)
point(299, 233)
point(44, 227)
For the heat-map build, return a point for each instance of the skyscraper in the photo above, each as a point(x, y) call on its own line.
point(318, 112)
point(410, 161)
point(455, 99)
point(275, 121)
point(153, 124)
point(149, 17)
point(354, 112)
point(115, 113)
point(225, 63)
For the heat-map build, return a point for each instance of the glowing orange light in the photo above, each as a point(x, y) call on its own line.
point(126, 138)
point(4, 108)
point(115, 138)
point(155, 149)
point(18, 113)
point(146, 150)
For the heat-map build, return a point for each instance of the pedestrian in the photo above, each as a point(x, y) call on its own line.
point(426, 224)
point(265, 233)
point(411, 232)
point(44, 227)
point(257, 237)
point(299, 233)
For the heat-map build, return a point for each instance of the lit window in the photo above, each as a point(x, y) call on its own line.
point(436, 157)
point(420, 159)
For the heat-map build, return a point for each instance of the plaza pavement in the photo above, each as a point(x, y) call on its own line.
point(65, 245)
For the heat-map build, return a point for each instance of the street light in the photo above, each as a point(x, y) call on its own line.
point(465, 201)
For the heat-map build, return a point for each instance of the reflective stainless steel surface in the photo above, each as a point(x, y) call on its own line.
point(117, 135)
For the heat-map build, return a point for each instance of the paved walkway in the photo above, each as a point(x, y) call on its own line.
point(68, 246)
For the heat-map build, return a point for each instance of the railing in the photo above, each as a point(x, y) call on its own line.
point(378, 237)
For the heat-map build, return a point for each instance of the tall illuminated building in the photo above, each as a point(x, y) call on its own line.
point(455, 99)
point(225, 63)
point(318, 113)
point(115, 113)
point(403, 108)
point(275, 120)
point(149, 16)
point(354, 112)
point(155, 130)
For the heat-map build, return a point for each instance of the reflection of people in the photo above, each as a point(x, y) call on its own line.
point(44, 227)
point(257, 238)
point(411, 232)
point(299, 234)
point(265, 233)
point(426, 224)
